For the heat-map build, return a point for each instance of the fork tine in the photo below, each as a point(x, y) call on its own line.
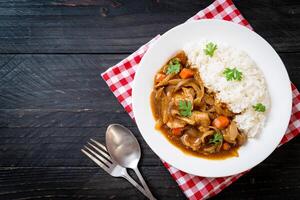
point(98, 156)
point(101, 152)
point(100, 145)
point(103, 166)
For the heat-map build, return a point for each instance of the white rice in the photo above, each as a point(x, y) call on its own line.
point(240, 96)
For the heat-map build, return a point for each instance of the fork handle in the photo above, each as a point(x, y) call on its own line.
point(136, 185)
point(139, 175)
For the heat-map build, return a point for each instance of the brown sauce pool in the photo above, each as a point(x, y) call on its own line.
point(233, 152)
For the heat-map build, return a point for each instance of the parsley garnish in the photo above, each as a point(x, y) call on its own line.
point(210, 49)
point(185, 108)
point(233, 74)
point(259, 107)
point(217, 138)
point(174, 66)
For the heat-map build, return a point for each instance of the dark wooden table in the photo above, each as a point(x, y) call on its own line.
point(53, 100)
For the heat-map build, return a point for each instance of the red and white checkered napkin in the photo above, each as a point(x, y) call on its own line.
point(119, 78)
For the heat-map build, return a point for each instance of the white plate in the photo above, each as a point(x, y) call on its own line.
point(256, 150)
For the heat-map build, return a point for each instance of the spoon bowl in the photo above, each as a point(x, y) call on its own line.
point(123, 146)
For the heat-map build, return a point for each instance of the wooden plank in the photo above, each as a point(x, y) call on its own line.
point(52, 147)
point(68, 118)
point(66, 82)
point(81, 183)
point(55, 81)
point(101, 27)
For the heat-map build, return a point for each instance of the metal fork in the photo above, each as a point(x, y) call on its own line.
point(97, 152)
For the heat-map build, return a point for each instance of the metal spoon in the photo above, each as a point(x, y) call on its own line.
point(124, 148)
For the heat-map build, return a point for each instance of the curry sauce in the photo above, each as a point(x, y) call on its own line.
point(233, 152)
point(189, 115)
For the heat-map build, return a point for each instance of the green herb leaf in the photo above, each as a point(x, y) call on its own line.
point(233, 74)
point(210, 49)
point(217, 138)
point(185, 108)
point(174, 66)
point(259, 107)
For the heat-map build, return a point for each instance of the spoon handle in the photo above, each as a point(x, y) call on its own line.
point(136, 185)
point(139, 175)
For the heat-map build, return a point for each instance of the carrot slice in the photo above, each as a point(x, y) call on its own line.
point(177, 131)
point(221, 122)
point(226, 146)
point(186, 73)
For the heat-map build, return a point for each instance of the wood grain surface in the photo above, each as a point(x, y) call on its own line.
point(52, 99)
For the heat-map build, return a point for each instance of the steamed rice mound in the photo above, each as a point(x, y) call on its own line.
point(240, 96)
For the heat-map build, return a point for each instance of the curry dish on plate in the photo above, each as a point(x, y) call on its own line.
point(190, 116)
